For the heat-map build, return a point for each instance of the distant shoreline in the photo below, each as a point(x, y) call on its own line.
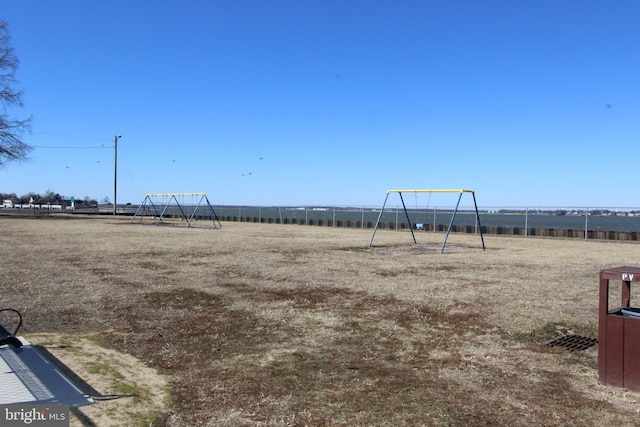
point(591, 227)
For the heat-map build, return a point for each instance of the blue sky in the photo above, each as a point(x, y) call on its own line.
point(529, 103)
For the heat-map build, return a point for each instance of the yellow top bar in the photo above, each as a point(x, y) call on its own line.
point(430, 191)
point(175, 194)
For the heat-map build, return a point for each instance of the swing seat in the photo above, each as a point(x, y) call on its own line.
point(7, 337)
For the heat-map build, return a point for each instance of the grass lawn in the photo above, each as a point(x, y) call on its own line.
point(264, 324)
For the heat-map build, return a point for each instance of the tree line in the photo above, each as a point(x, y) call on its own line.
point(50, 197)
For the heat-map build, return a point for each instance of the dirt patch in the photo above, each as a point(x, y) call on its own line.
point(126, 390)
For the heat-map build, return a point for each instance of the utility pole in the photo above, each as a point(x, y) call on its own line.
point(115, 172)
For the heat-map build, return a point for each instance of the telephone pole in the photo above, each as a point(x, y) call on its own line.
point(115, 172)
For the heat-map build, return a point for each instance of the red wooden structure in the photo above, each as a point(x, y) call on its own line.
point(619, 332)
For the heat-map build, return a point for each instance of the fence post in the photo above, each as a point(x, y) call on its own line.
point(434, 218)
point(586, 223)
point(397, 212)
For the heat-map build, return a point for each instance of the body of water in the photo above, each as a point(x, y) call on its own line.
point(573, 220)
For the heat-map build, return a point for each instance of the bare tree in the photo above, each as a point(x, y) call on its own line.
point(11, 128)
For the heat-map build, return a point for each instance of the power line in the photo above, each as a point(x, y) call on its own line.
point(70, 147)
point(67, 147)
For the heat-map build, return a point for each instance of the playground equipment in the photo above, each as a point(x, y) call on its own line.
point(453, 216)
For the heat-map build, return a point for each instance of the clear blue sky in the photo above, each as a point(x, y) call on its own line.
point(529, 103)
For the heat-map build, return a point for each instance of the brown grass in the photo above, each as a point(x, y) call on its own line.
point(292, 325)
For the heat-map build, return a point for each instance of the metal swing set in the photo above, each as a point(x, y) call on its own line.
point(404, 207)
point(186, 207)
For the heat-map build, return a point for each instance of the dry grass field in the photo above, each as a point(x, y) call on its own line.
point(274, 325)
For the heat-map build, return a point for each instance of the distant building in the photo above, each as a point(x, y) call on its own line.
point(10, 203)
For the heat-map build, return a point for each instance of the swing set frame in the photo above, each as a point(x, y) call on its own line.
point(162, 205)
point(455, 211)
